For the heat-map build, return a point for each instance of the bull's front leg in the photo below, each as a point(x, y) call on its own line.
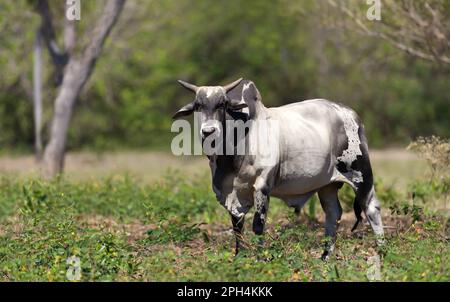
point(261, 208)
point(238, 226)
point(261, 195)
point(237, 208)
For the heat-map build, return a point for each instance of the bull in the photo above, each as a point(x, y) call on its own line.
point(320, 145)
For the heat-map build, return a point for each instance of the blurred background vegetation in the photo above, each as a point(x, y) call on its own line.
point(148, 215)
point(292, 50)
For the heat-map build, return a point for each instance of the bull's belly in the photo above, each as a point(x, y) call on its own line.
point(301, 177)
point(300, 185)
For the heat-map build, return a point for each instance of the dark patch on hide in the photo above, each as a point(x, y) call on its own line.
point(210, 103)
point(362, 164)
point(258, 224)
point(236, 94)
point(342, 167)
point(226, 165)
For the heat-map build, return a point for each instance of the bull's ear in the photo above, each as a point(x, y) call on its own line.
point(237, 104)
point(186, 110)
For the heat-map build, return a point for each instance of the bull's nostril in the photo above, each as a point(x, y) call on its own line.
point(208, 131)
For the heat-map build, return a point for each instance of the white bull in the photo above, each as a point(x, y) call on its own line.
point(320, 145)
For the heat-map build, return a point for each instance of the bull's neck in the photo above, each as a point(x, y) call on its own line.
point(233, 162)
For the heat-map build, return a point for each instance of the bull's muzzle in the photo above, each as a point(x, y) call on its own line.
point(207, 131)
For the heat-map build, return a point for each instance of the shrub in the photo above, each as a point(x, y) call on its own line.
point(436, 151)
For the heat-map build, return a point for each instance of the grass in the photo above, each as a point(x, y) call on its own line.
point(174, 230)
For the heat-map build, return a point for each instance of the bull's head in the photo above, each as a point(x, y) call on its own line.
point(212, 103)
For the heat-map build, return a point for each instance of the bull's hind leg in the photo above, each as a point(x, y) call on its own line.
point(367, 201)
point(328, 196)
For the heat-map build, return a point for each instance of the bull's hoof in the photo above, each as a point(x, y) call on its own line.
point(258, 229)
point(325, 255)
point(258, 225)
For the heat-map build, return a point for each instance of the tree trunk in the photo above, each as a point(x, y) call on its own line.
point(68, 93)
point(76, 74)
point(37, 94)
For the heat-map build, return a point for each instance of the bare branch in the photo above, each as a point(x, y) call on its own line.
point(48, 33)
point(69, 36)
point(59, 57)
point(417, 35)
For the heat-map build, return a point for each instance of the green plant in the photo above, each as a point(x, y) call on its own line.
point(172, 232)
point(123, 231)
point(415, 211)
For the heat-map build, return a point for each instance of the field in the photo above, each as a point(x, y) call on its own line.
point(141, 216)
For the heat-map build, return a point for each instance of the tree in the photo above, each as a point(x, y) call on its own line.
point(71, 74)
point(292, 50)
point(419, 28)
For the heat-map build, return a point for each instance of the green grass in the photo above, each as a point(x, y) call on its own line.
point(175, 230)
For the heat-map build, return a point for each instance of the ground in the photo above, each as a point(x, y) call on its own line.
point(150, 216)
point(395, 166)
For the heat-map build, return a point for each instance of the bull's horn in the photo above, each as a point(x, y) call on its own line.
point(188, 86)
point(232, 85)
